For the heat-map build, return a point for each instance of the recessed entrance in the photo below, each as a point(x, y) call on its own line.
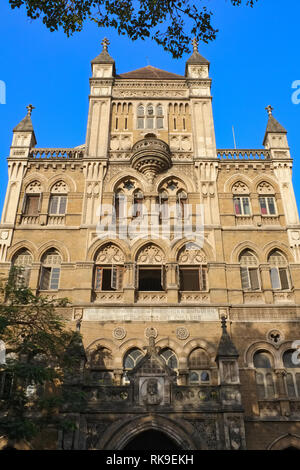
point(152, 440)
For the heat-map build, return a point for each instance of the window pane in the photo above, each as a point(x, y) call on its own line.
point(160, 123)
point(290, 386)
point(54, 278)
point(194, 377)
point(53, 204)
point(150, 122)
point(263, 206)
point(45, 278)
point(204, 377)
point(140, 111)
point(245, 278)
point(253, 273)
point(140, 123)
point(98, 278)
point(274, 278)
point(260, 386)
point(288, 360)
point(32, 205)
point(262, 360)
point(189, 280)
point(246, 205)
point(270, 386)
point(237, 206)
point(284, 278)
point(63, 204)
point(159, 110)
point(271, 204)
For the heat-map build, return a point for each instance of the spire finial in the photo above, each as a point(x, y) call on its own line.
point(29, 109)
point(270, 110)
point(105, 42)
point(195, 44)
point(223, 323)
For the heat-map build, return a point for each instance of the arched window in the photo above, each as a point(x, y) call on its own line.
point(249, 270)
point(266, 199)
point(278, 271)
point(50, 270)
point(263, 363)
point(170, 358)
point(32, 199)
point(241, 200)
point(192, 269)
point(292, 379)
point(101, 358)
point(109, 268)
point(132, 358)
point(150, 118)
point(23, 262)
point(150, 269)
point(198, 364)
point(58, 199)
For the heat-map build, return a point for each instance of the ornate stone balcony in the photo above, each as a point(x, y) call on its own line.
point(152, 297)
point(243, 154)
point(30, 219)
point(56, 153)
point(151, 156)
point(104, 297)
point(194, 297)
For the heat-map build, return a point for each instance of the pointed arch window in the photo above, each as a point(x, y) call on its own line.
point(249, 271)
point(163, 201)
point(263, 363)
point(50, 270)
point(198, 364)
point(292, 378)
point(23, 262)
point(132, 358)
point(33, 199)
point(150, 117)
point(279, 274)
point(170, 358)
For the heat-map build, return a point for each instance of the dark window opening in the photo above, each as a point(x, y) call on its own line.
point(193, 279)
point(150, 279)
point(108, 278)
point(32, 205)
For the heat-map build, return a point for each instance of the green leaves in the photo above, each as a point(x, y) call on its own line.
point(170, 23)
point(40, 351)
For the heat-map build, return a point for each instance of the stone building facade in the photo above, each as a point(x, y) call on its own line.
point(181, 262)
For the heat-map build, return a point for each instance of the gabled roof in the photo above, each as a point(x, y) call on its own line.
point(150, 73)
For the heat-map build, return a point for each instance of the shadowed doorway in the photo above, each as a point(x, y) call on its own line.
point(152, 440)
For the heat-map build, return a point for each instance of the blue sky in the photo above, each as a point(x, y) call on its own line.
point(254, 61)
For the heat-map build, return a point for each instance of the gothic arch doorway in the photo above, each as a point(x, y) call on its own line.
point(152, 440)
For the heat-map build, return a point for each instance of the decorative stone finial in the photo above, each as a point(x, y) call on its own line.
point(105, 42)
point(270, 110)
point(29, 109)
point(223, 323)
point(195, 44)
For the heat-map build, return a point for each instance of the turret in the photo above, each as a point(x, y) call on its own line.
point(23, 136)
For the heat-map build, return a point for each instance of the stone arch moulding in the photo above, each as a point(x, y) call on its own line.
point(266, 249)
point(287, 440)
point(26, 244)
point(112, 184)
point(261, 346)
point(141, 245)
point(232, 180)
point(268, 179)
point(60, 247)
point(130, 344)
point(35, 177)
point(119, 435)
point(235, 254)
point(187, 183)
point(103, 342)
point(164, 343)
point(200, 343)
point(207, 249)
point(97, 245)
point(62, 177)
